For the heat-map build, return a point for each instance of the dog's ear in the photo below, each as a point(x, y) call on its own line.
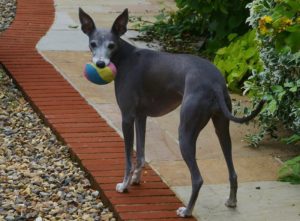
point(87, 23)
point(120, 24)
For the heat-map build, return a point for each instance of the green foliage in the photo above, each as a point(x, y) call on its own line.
point(238, 60)
point(278, 30)
point(170, 36)
point(292, 139)
point(290, 171)
point(213, 19)
point(280, 22)
point(210, 21)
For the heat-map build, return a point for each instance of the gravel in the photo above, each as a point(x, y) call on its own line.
point(7, 13)
point(38, 179)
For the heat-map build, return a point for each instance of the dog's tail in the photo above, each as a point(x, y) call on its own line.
point(228, 114)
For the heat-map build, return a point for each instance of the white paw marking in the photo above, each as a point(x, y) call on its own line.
point(182, 212)
point(121, 188)
point(230, 203)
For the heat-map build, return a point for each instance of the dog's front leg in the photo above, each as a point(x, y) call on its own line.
point(128, 132)
point(140, 127)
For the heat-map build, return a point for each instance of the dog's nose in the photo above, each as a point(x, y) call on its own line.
point(100, 64)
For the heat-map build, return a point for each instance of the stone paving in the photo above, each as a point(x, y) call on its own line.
point(260, 196)
point(90, 140)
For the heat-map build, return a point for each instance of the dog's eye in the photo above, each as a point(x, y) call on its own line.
point(111, 46)
point(93, 44)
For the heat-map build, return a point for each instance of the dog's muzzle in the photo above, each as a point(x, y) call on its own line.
point(100, 64)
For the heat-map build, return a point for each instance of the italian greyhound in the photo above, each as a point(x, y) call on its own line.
point(151, 83)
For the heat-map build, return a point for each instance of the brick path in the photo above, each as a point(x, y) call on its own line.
point(93, 143)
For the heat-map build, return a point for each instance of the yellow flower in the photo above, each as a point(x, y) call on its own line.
point(263, 30)
point(266, 19)
point(286, 21)
point(298, 20)
point(262, 24)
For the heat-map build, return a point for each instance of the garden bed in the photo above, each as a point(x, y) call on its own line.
point(38, 179)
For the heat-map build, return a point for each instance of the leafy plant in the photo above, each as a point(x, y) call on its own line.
point(290, 171)
point(277, 29)
point(238, 60)
point(168, 35)
point(200, 23)
point(292, 139)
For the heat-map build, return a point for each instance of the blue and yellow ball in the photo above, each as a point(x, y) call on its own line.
point(98, 75)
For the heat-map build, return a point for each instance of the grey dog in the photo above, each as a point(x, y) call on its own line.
point(151, 83)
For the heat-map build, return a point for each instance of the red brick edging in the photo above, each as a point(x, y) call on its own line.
point(92, 142)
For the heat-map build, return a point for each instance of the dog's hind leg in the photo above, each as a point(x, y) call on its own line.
point(194, 116)
point(128, 132)
point(221, 124)
point(140, 127)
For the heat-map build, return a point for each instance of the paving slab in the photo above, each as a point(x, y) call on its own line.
point(64, 36)
point(259, 201)
point(66, 48)
point(214, 171)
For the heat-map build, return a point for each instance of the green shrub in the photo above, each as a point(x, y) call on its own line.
point(170, 36)
point(238, 60)
point(290, 171)
point(277, 26)
point(210, 21)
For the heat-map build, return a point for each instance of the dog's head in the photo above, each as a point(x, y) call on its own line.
point(103, 43)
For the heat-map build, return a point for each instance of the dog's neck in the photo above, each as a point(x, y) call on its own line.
point(123, 51)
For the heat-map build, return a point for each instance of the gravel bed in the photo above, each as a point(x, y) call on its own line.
point(7, 13)
point(38, 179)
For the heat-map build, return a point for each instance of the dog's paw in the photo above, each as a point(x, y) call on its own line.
point(135, 180)
point(231, 203)
point(182, 212)
point(121, 188)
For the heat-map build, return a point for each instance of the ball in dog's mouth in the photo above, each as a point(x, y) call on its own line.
point(98, 75)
